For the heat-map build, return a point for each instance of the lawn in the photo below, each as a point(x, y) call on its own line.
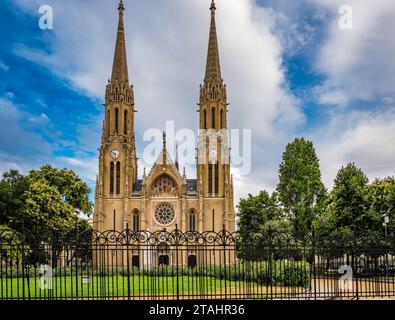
point(119, 287)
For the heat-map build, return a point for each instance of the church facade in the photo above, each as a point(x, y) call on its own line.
point(164, 198)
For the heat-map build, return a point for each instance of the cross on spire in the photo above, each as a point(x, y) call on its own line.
point(213, 8)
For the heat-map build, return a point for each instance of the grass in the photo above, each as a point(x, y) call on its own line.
point(110, 286)
point(136, 287)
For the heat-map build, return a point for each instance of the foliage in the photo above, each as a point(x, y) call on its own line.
point(73, 191)
point(43, 207)
point(279, 272)
point(46, 202)
point(255, 212)
point(12, 249)
point(12, 195)
point(349, 206)
point(300, 189)
point(381, 197)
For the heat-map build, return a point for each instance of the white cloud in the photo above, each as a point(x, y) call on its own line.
point(359, 67)
point(367, 140)
point(24, 148)
point(167, 47)
point(359, 63)
point(86, 168)
point(167, 43)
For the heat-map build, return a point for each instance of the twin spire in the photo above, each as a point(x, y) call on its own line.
point(213, 68)
point(120, 65)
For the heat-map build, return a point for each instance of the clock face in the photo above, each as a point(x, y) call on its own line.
point(115, 154)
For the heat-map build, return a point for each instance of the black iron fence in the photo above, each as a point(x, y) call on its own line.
point(190, 265)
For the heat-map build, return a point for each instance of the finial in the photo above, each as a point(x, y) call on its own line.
point(121, 8)
point(213, 7)
point(164, 148)
point(164, 140)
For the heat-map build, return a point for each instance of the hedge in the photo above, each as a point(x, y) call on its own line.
point(281, 272)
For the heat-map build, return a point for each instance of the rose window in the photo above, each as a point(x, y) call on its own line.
point(164, 213)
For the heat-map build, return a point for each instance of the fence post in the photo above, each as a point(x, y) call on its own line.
point(354, 265)
point(224, 244)
point(76, 260)
point(314, 271)
point(270, 262)
point(127, 258)
point(23, 260)
point(177, 274)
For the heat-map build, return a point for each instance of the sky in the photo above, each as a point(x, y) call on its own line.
point(290, 71)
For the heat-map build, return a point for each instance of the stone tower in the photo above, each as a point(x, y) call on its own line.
point(117, 159)
point(213, 169)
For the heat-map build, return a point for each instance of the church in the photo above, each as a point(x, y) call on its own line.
point(164, 198)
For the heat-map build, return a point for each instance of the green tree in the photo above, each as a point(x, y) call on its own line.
point(13, 186)
point(12, 249)
point(381, 197)
point(47, 203)
point(72, 189)
point(300, 189)
point(350, 205)
point(255, 211)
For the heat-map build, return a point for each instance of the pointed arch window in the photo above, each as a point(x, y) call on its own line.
point(118, 182)
point(136, 220)
point(116, 120)
point(204, 119)
point(192, 220)
point(112, 178)
point(222, 119)
point(125, 122)
point(213, 118)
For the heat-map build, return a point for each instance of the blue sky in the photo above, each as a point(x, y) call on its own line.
point(290, 70)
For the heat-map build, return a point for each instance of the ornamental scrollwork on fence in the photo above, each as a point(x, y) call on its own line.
point(268, 239)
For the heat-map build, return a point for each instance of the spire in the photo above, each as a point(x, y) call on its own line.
point(213, 69)
point(120, 66)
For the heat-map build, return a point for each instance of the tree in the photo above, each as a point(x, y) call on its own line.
point(72, 189)
point(381, 197)
point(12, 195)
point(46, 203)
point(257, 215)
point(350, 203)
point(255, 211)
point(300, 189)
point(12, 249)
